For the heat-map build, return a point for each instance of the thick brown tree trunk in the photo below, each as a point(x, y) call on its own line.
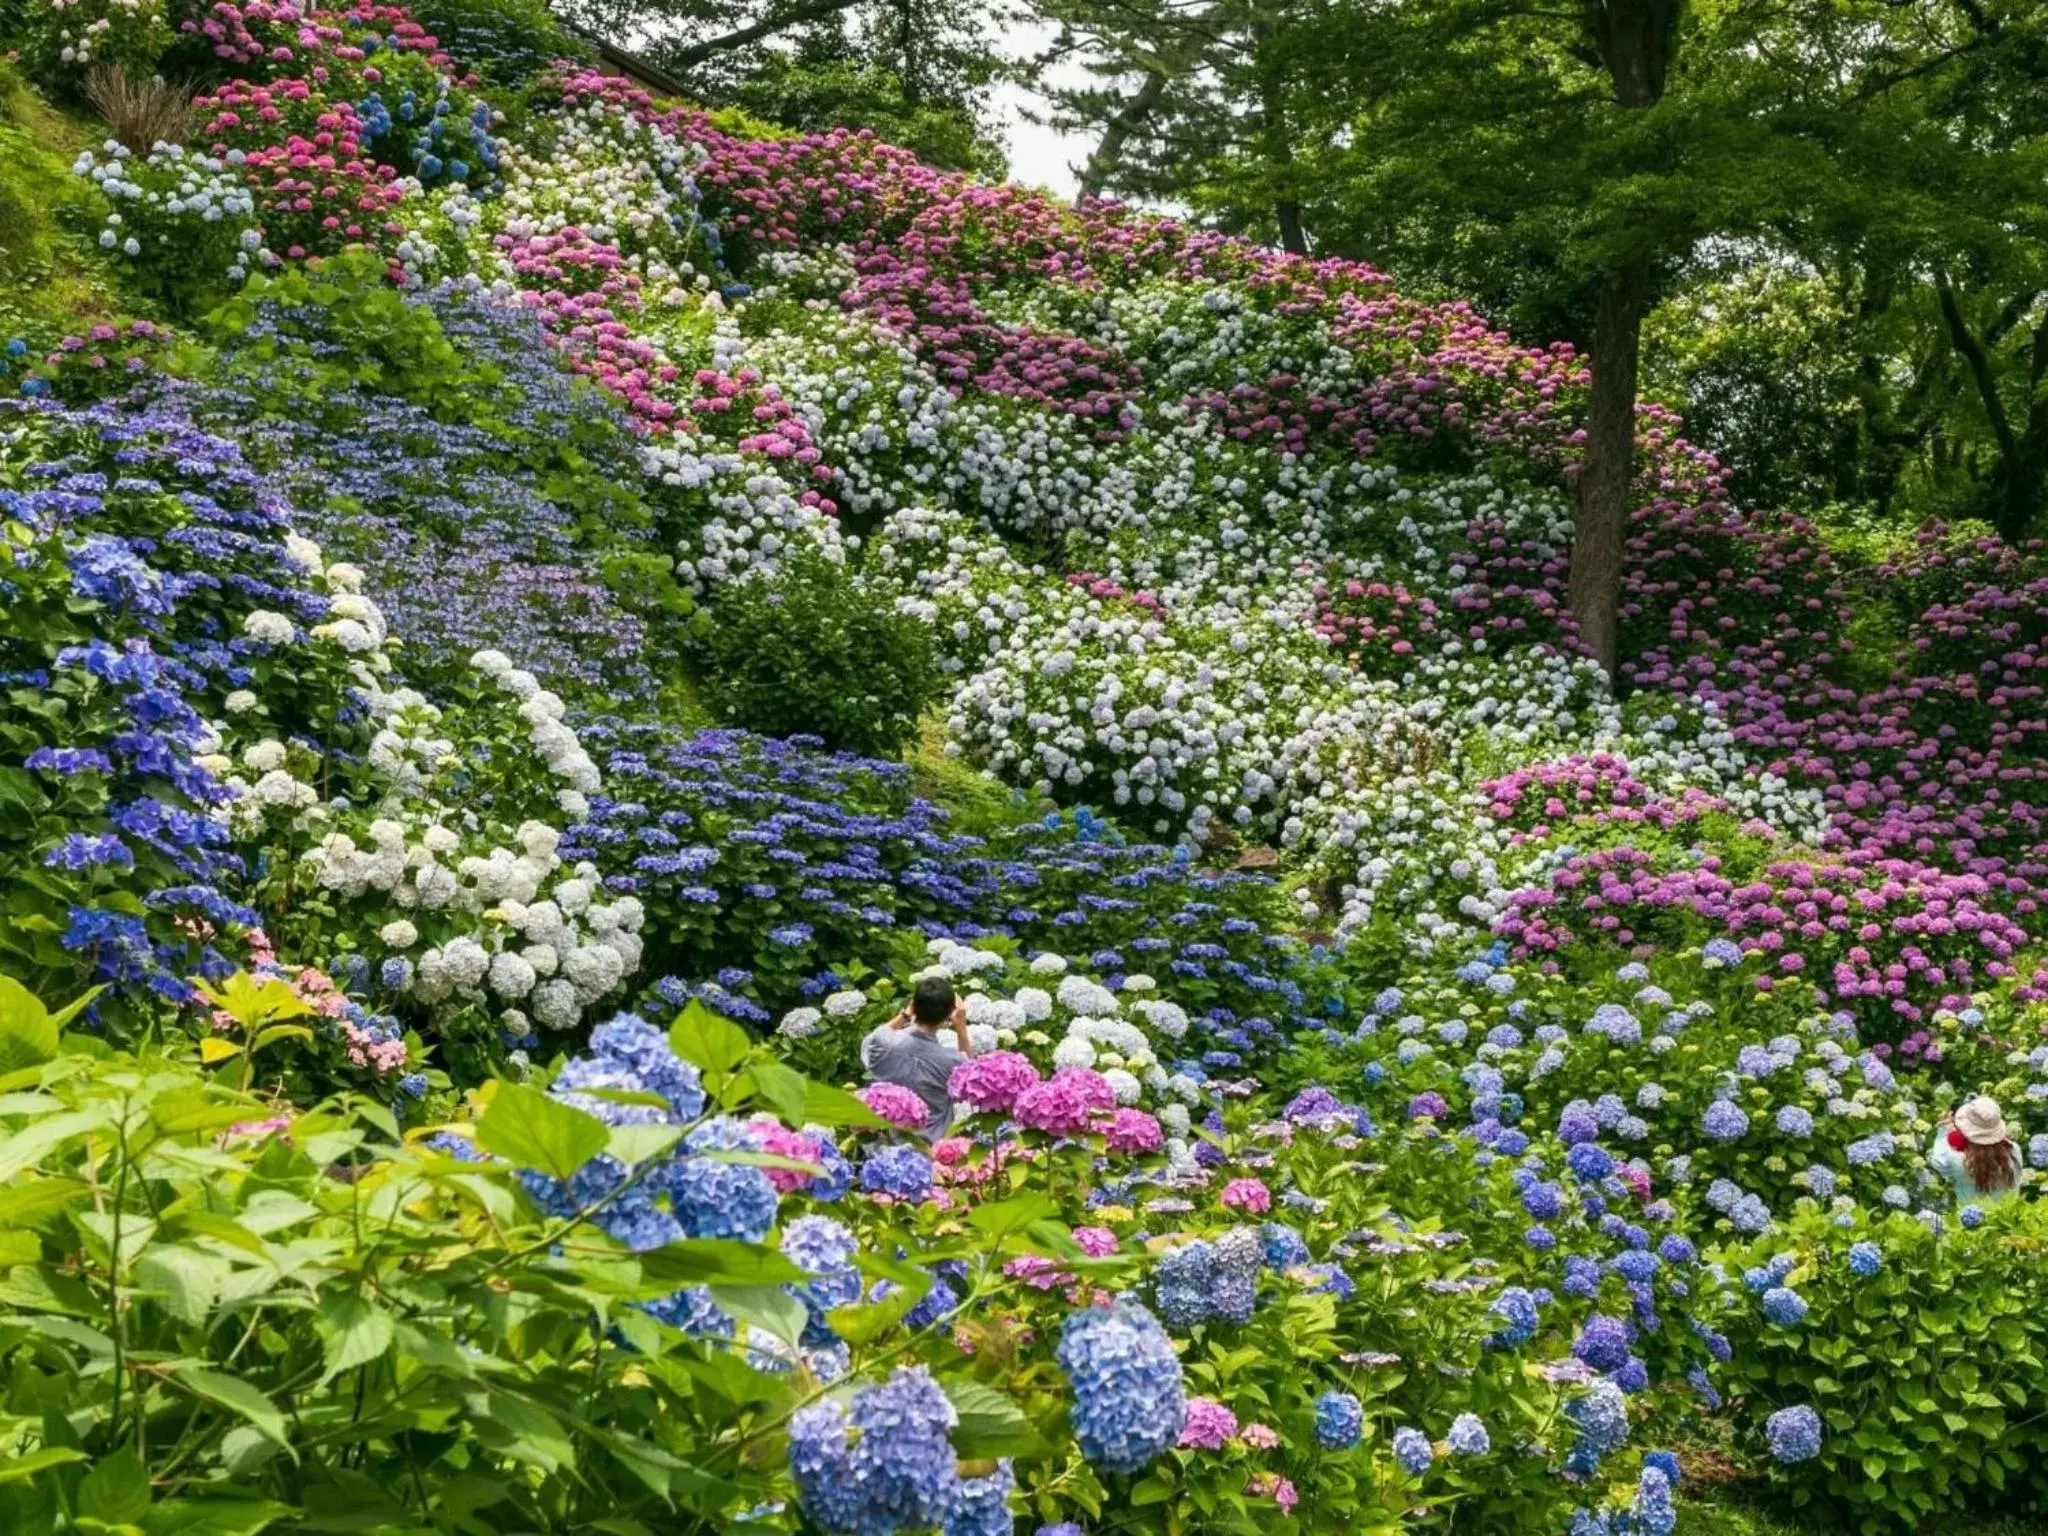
point(1636, 40)
point(1607, 469)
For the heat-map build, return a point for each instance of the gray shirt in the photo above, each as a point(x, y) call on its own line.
point(916, 1059)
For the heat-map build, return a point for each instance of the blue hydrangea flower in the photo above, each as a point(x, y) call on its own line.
point(1724, 1120)
point(1340, 1421)
point(898, 1170)
point(1516, 1308)
point(1601, 1417)
point(1865, 1259)
point(1603, 1343)
point(1794, 1434)
point(1129, 1404)
point(1468, 1436)
point(981, 1505)
point(1412, 1451)
point(1785, 1307)
point(1653, 1510)
point(900, 1472)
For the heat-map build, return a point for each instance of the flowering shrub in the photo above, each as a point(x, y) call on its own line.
point(1250, 557)
point(817, 654)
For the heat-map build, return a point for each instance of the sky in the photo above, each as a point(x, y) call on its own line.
point(1039, 157)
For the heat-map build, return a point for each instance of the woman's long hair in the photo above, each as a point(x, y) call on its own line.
point(1992, 1167)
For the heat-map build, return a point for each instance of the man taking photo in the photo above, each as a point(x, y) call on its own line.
point(913, 1050)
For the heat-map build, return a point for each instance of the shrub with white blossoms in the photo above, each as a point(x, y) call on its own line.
point(440, 868)
point(177, 212)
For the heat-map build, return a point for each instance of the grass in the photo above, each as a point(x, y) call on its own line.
point(52, 282)
point(1749, 1509)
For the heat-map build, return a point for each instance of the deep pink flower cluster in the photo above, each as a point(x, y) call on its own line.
point(1901, 935)
point(1596, 790)
point(1067, 1103)
point(993, 1082)
point(1377, 622)
point(895, 1104)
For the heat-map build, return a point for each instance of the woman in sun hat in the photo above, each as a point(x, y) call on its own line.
point(1975, 1150)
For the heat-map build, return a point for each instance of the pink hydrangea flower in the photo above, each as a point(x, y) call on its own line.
point(1066, 1103)
point(1209, 1425)
point(779, 1140)
point(1275, 1487)
point(1260, 1437)
point(1096, 1242)
point(896, 1104)
point(992, 1082)
point(1248, 1195)
point(1132, 1130)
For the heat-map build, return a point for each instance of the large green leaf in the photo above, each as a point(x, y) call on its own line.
point(14, 1469)
point(239, 1397)
point(353, 1331)
point(989, 1423)
point(707, 1040)
point(184, 1279)
point(826, 1105)
point(531, 1130)
point(1012, 1215)
point(716, 1261)
point(29, 1145)
point(784, 1089)
point(28, 1035)
point(767, 1307)
point(116, 1490)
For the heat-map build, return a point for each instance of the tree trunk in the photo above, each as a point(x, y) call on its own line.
point(696, 53)
point(1274, 142)
point(1109, 153)
point(1293, 239)
point(1635, 40)
point(1607, 467)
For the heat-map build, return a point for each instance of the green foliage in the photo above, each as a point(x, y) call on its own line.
point(346, 327)
point(1927, 1375)
point(50, 285)
point(211, 1328)
point(813, 651)
point(508, 42)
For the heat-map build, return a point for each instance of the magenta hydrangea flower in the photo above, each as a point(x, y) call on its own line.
point(1248, 1195)
point(1132, 1130)
point(1209, 1427)
point(993, 1082)
point(1096, 1242)
point(895, 1104)
point(776, 1138)
point(1066, 1103)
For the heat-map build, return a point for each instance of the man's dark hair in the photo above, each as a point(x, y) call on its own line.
point(932, 1002)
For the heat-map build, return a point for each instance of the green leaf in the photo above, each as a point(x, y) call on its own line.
point(353, 1331)
point(827, 1105)
point(707, 1040)
point(716, 1261)
point(784, 1089)
point(767, 1307)
point(989, 1423)
point(1012, 1215)
point(116, 1490)
point(28, 1035)
point(187, 1281)
point(18, 1468)
point(237, 1396)
point(635, 1144)
point(24, 1203)
point(213, 1517)
point(531, 1130)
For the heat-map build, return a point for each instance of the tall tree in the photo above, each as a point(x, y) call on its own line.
point(918, 72)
